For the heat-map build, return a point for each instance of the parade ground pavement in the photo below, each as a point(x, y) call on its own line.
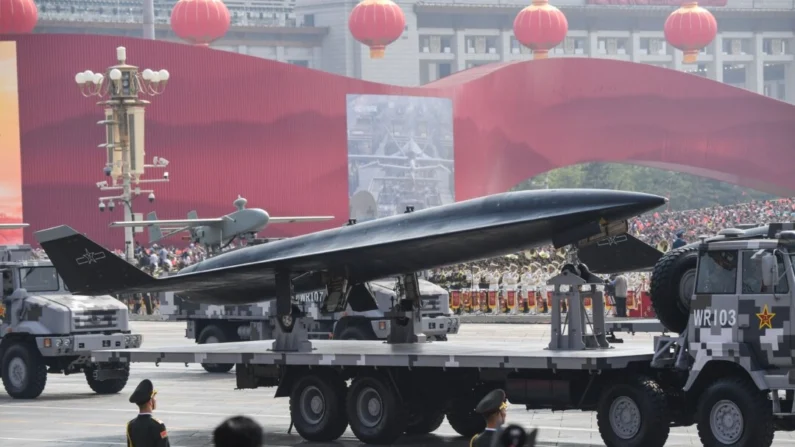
point(191, 402)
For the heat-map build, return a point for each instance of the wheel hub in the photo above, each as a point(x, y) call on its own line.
point(287, 320)
point(312, 405)
point(624, 417)
point(687, 285)
point(18, 372)
point(369, 407)
point(726, 422)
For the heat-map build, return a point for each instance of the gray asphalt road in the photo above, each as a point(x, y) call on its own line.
point(192, 402)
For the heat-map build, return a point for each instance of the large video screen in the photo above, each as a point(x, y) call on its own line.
point(10, 157)
point(400, 154)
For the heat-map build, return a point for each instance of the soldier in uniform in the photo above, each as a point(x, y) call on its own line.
point(494, 408)
point(145, 430)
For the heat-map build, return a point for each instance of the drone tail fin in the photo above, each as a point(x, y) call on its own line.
point(155, 232)
point(86, 267)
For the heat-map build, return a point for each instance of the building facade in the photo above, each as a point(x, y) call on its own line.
point(754, 48)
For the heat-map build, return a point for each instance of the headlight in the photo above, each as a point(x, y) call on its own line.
point(67, 342)
point(58, 342)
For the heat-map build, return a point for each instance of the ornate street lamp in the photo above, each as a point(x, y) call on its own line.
point(124, 131)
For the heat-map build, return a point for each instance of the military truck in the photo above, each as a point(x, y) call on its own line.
point(729, 371)
point(674, 276)
point(46, 330)
point(221, 324)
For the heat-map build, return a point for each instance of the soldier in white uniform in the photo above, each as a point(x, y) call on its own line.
point(493, 278)
point(509, 280)
point(527, 287)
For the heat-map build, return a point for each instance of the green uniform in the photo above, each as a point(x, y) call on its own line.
point(483, 439)
point(147, 431)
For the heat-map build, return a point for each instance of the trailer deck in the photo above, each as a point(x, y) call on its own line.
point(449, 354)
point(633, 325)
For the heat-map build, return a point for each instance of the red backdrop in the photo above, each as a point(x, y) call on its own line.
point(276, 133)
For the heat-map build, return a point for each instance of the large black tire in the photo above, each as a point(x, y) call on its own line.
point(317, 407)
point(375, 393)
point(672, 283)
point(461, 413)
point(24, 371)
point(357, 332)
point(110, 386)
point(719, 407)
point(633, 412)
point(424, 420)
point(214, 334)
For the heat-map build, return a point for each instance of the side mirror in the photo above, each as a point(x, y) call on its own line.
point(768, 266)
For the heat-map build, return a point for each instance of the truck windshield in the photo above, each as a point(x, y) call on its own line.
point(39, 279)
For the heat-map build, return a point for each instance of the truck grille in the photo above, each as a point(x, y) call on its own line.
point(432, 306)
point(91, 320)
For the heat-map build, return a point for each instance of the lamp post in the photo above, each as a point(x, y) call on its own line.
point(124, 132)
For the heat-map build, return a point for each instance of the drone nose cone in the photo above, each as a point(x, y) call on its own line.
point(625, 204)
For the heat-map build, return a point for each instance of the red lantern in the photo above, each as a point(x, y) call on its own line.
point(690, 28)
point(377, 23)
point(200, 22)
point(18, 16)
point(540, 27)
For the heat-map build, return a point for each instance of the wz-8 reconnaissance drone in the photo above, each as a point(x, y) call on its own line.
point(215, 234)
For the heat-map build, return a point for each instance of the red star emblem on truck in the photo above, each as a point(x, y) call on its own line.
point(765, 318)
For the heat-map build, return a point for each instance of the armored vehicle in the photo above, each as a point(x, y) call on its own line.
point(220, 324)
point(729, 372)
point(45, 330)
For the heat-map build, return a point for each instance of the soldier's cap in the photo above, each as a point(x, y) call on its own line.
point(493, 402)
point(680, 233)
point(143, 393)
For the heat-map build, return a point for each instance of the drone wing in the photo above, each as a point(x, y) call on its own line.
point(13, 226)
point(175, 223)
point(299, 219)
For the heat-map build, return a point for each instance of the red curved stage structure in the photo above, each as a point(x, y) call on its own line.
point(276, 133)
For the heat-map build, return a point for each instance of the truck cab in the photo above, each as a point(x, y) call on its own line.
point(45, 329)
point(734, 357)
point(742, 306)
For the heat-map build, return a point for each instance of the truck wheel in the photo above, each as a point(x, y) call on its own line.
point(673, 281)
point(214, 334)
point(633, 413)
point(24, 372)
point(424, 420)
point(356, 333)
point(317, 407)
point(110, 386)
point(375, 411)
point(733, 411)
point(462, 416)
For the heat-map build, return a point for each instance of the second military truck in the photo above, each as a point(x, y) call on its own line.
point(44, 329)
point(221, 324)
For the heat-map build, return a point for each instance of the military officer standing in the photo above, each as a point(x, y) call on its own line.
point(494, 408)
point(145, 430)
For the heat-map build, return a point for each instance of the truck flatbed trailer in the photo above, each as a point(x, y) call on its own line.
point(409, 385)
point(450, 354)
